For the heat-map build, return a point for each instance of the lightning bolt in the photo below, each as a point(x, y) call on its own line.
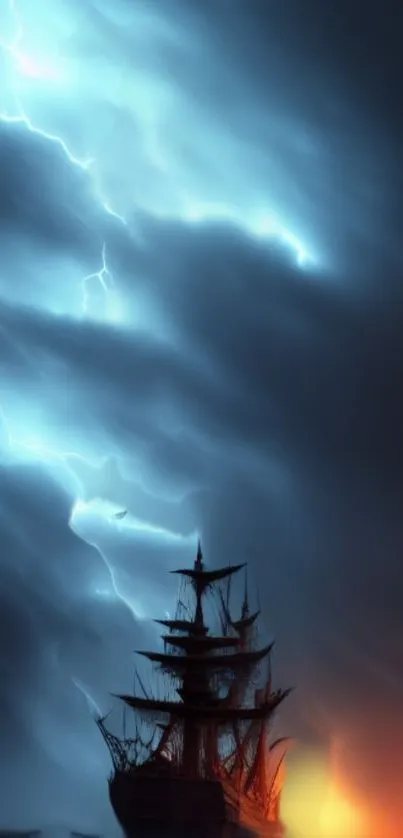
point(93, 707)
point(129, 524)
point(134, 608)
point(102, 276)
point(23, 119)
point(31, 449)
point(20, 61)
point(85, 165)
point(259, 226)
point(190, 211)
point(106, 510)
point(105, 279)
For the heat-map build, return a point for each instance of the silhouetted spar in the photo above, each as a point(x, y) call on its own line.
point(199, 763)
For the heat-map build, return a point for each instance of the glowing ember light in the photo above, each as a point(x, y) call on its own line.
point(314, 805)
point(338, 817)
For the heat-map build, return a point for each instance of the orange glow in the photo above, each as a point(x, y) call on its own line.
point(315, 806)
point(338, 817)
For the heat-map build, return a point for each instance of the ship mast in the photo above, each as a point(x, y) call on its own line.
point(199, 661)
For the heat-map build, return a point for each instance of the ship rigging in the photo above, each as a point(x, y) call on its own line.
point(207, 766)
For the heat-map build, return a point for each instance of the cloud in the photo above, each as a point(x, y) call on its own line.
point(214, 386)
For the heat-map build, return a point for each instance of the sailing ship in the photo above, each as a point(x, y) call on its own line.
point(199, 763)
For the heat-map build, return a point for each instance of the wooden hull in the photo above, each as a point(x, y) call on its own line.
point(174, 807)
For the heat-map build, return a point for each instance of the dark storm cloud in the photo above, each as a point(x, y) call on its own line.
point(48, 219)
point(51, 633)
point(40, 207)
point(314, 94)
point(281, 343)
point(263, 375)
point(238, 395)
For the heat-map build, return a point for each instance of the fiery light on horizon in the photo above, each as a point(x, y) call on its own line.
point(338, 816)
point(315, 803)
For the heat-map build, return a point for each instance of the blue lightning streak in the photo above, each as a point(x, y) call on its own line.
point(191, 212)
point(263, 225)
point(102, 275)
point(19, 58)
point(32, 450)
point(13, 50)
point(81, 508)
point(92, 705)
point(85, 165)
point(259, 226)
point(23, 119)
point(106, 281)
point(130, 524)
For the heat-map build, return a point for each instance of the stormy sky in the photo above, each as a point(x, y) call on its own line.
point(200, 321)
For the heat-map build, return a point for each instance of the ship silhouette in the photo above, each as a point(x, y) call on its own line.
point(200, 763)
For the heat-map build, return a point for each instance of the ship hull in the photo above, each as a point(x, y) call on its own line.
point(162, 807)
point(166, 807)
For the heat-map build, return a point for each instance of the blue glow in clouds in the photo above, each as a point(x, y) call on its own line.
point(93, 707)
point(49, 81)
point(173, 343)
point(112, 308)
point(91, 80)
point(96, 514)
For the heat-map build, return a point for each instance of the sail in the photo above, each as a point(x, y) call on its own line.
point(237, 761)
point(256, 774)
point(180, 625)
point(203, 578)
point(245, 623)
point(265, 776)
point(178, 663)
point(84, 835)
point(216, 725)
point(275, 774)
point(200, 643)
point(163, 744)
point(220, 711)
point(208, 577)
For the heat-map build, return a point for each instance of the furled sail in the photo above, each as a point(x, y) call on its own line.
point(213, 721)
point(220, 711)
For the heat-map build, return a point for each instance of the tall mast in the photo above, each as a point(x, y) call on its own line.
point(199, 589)
point(195, 667)
point(212, 673)
point(245, 604)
